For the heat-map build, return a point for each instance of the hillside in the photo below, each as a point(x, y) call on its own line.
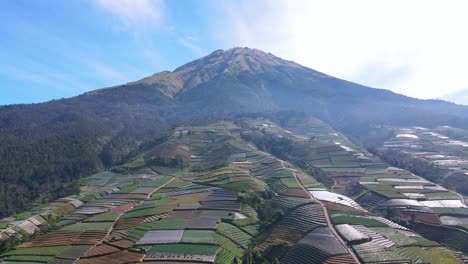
point(213, 194)
point(43, 146)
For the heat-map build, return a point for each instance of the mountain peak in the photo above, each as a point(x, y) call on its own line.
point(242, 51)
point(238, 59)
point(230, 62)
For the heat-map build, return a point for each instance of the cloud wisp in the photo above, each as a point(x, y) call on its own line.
point(148, 21)
point(142, 14)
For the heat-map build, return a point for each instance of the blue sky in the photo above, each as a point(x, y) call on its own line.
point(52, 49)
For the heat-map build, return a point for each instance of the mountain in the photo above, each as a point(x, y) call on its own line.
point(44, 146)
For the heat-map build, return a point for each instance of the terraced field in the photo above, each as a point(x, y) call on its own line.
point(206, 195)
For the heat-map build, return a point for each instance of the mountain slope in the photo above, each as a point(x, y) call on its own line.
point(43, 146)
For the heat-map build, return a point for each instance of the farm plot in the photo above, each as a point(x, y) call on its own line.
point(451, 211)
point(27, 259)
point(235, 234)
point(65, 238)
point(220, 205)
point(371, 199)
point(420, 214)
point(401, 202)
point(428, 255)
point(343, 218)
point(378, 250)
point(120, 257)
point(94, 226)
point(177, 192)
point(104, 217)
point(322, 239)
point(102, 249)
point(205, 250)
point(72, 253)
point(334, 198)
point(286, 203)
point(350, 234)
point(164, 224)
point(399, 237)
point(454, 220)
point(160, 237)
point(33, 255)
point(198, 236)
point(182, 252)
point(315, 247)
point(444, 203)
point(247, 217)
point(100, 179)
point(221, 195)
point(203, 223)
point(295, 192)
point(386, 191)
point(146, 211)
point(437, 195)
point(295, 225)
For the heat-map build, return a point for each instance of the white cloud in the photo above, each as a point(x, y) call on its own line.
point(416, 47)
point(144, 18)
point(136, 13)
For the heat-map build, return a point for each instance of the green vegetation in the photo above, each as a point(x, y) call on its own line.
point(168, 223)
point(408, 162)
point(37, 251)
point(104, 217)
point(198, 249)
point(426, 242)
point(23, 215)
point(429, 255)
point(197, 236)
point(451, 211)
point(355, 220)
point(101, 226)
point(228, 245)
point(241, 185)
point(281, 147)
point(147, 212)
point(268, 192)
point(235, 234)
point(27, 258)
point(290, 182)
point(224, 257)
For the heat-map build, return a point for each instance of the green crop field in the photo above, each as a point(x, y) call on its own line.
point(147, 212)
point(197, 236)
point(100, 226)
point(37, 251)
point(235, 234)
point(429, 255)
point(198, 249)
point(290, 182)
point(355, 220)
point(31, 259)
point(104, 217)
point(168, 223)
point(224, 257)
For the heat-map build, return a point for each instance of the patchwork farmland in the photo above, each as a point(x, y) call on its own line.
point(212, 194)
